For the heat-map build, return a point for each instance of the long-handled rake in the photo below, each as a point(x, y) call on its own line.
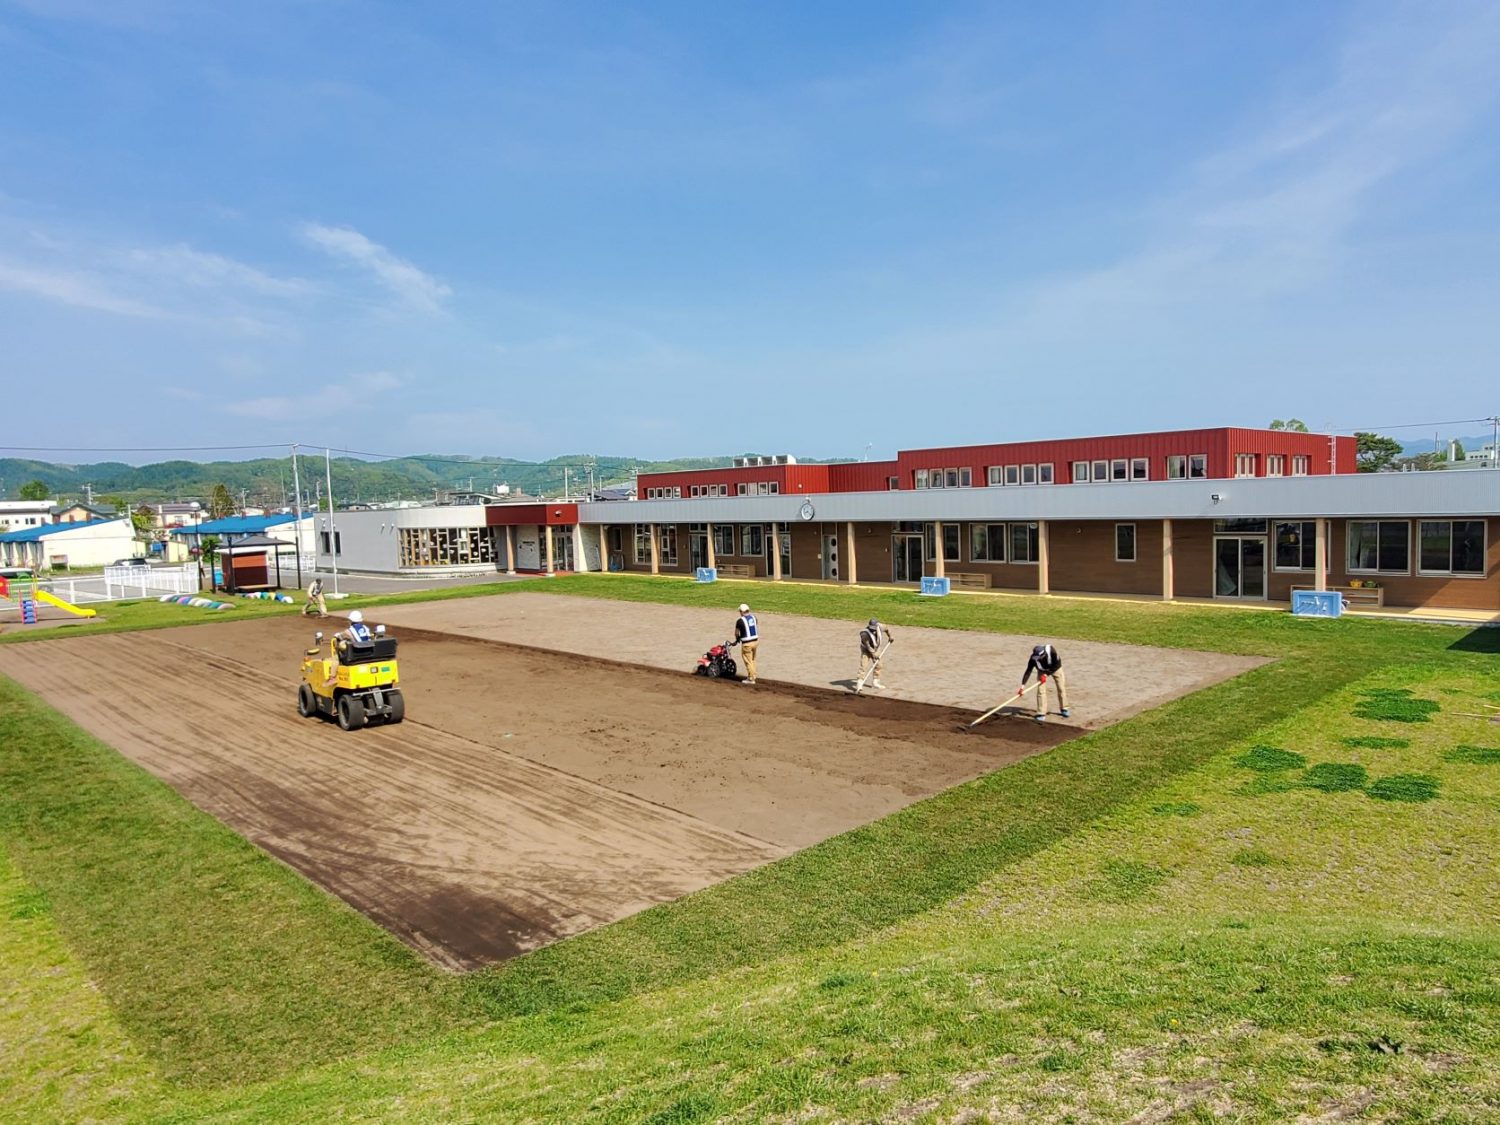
point(1004, 704)
point(879, 656)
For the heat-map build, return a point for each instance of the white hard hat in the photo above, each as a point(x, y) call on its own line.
point(357, 615)
point(744, 608)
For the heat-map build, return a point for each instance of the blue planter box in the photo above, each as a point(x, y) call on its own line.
point(1317, 603)
point(935, 587)
point(706, 574)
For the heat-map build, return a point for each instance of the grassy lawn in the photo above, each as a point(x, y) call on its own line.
point(1227, 878)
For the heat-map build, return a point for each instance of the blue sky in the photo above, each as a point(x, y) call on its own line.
point(675, 229)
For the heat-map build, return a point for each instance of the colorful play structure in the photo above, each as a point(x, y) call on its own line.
point(22, 589)
point(199, 603)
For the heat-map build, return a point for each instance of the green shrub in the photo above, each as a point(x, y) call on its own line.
point(1411, 787)
point(1335, 777)
point(1270, 759)
point(1376, 742)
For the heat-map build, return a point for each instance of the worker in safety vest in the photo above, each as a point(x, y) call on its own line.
point(1047, 664)
point(747, 636)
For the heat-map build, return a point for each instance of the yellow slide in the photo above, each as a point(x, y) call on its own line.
point(52, 599)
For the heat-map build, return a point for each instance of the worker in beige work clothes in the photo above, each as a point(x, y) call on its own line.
point(1047, 664)
point(315, 603)
point(874, 639)
point(747, 636)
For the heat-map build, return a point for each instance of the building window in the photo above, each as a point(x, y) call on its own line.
point(742, 489)
point(666, 538)
point(950, 541)
point(1101, 471)
point(993, 475)
point(445, 546)
point(1118, 469)
point(1177, 467)
point(642, 543)
point(677, 492)
point(987, 542)
point(1024, 546)
point(935, 479)
point(1044, 473)
point(893, 484)
point(1275, 464)
point(1080, 472)
point(775, 488)
point(919, 478)
point(1198, 466)
point(753, 540)
point(1239, 527)
point(1140, 468)
point(1380, 546)
point(1125, 542)
point(1452, 547)
point(950, 477)
point(1244, 464)
point(723, 539)
point(1297, 545)
point(965, 478)
point(1300, 464)
point(1012, 474)
point(697, 491)
point(1028, 474)
point(338, 542)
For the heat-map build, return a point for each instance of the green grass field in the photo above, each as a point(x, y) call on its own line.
point(1275, 897)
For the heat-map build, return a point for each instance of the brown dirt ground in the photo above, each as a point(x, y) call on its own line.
point(530, 795)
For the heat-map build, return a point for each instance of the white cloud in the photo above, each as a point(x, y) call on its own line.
point(199, 270)
point(69, 288)
point(418, 289)
point(356, 394)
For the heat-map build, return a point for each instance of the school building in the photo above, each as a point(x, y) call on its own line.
point(1222, 513)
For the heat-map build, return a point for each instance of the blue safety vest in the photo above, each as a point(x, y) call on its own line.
point(359, 632)
point(752, 633)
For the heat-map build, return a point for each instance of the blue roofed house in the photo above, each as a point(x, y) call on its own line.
point(84, 543)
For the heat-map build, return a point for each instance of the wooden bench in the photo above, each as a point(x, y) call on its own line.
point(1355, 595)
point(736, 570)
point(970, 579)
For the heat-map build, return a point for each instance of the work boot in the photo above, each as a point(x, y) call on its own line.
point(1040, 718)
point(1065, 712)
point(876, 684)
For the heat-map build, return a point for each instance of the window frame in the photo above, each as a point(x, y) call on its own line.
point(929, 541)
point(1484, 550)
point(1032, 539)
point(994, 476)
point(759, 532)
point(1182, 466)
point(724, 529)
point(919, 478)
point(1100, 471)
point(1032, 474)
point(1349, 560)
point(1242, 459)
point(1119, 469)
point(1275, 464)
point(1197, 466)
point(1012, 474)
point(1301, 464)
point(1134, 543)
point(1081, 479)
point(1307, 547)
point(1144, 465)
point(1044, 473)
point(642, 534)
point(990, 538)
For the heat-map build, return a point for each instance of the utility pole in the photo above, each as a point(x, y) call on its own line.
point(565, 482)
point(333, 531)
point(297, 493)
point(88, 493)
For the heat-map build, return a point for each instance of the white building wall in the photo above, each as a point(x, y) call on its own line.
point(97, 545)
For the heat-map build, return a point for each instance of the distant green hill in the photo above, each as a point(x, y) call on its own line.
point(268, 481)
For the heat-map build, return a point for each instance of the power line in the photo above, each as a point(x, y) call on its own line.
point(139, 448)
point(1417, 425)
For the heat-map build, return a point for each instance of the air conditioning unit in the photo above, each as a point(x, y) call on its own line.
point(741, 462)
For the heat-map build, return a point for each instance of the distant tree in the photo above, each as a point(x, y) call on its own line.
point(34, 490)
point(1297, 425)
point(1458, 451)
point(143, 519)
point(113, 500)
point(1418, 463)
point(220, 503)
point(1375, 453)
point(208, 550)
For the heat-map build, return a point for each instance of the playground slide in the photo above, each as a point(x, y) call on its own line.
point(53, 599)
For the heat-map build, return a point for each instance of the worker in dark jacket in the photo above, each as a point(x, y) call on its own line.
point(1047, 664)
point(747, 636)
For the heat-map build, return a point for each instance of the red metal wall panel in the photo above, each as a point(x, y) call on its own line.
point(528, 515)
point(862, 476)
point(788, 478)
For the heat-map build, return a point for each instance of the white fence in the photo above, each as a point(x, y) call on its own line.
point(122, 582)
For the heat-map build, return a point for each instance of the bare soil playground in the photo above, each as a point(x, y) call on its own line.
point(535, 790)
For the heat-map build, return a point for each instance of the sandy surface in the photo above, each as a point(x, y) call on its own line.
point(946, 667)
point(529, 795)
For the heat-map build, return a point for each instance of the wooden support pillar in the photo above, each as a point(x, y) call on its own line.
point(1043, 559)
point(510, 550)
point(937, 549)
point(1320, 555)
point(604, 548)
point(713, 562)
point(1168, 575)
point(776, 552)
point(547, 531)
point(580, 556)
point(852, 562)
point(655, 551)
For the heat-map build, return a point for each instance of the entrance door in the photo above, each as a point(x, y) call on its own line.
point(1239, 567)
point(906, 558)
point(786, 553)
point(698, 549)
point(831, 557)
point(562, 548)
